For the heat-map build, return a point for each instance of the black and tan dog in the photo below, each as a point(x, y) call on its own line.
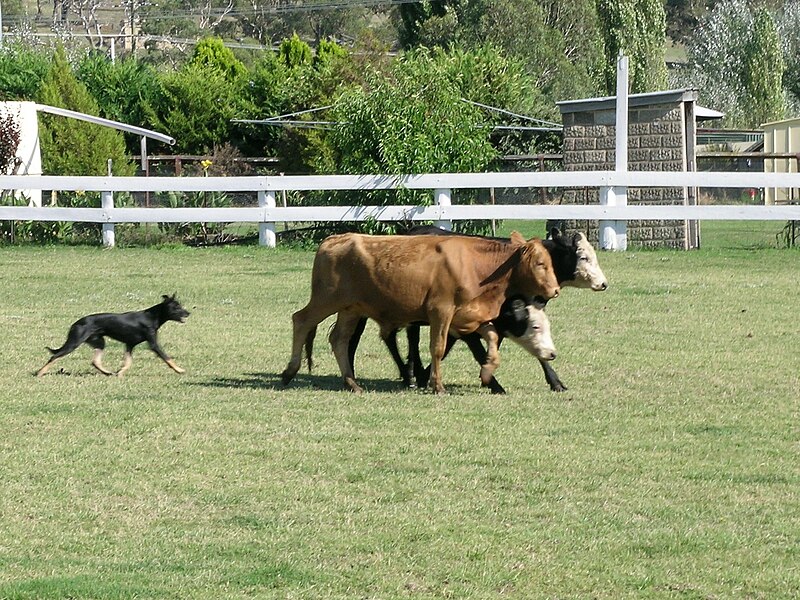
point(130, 328)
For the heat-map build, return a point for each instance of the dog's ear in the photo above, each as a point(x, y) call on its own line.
point(165, 298)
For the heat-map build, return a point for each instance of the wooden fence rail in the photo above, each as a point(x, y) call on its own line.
point(265, 212)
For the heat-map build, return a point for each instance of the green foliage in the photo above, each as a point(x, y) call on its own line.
point(736, 61)
point(22, 70)
point(789, 33)
point(420, 23)
point(211, 53)
point(198, 234)
point(557, 42)
point(762, 71)
point(294, 52)
point(327, 52)
point(126, 90)
point(637, 28)
point(412, 121)
point(69, 146)
point(196, 107)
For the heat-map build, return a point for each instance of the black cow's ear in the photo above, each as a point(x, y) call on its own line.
point(576, 238)
point(519, 309)
point(554, 233)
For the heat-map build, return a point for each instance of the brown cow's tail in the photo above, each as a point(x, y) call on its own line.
point(310, 346)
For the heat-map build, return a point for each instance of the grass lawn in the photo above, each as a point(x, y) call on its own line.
point(670, 469)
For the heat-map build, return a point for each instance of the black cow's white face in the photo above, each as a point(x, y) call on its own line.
point(536, 337)
point(588, 273)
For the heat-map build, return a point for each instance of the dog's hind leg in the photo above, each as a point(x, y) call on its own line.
point(74, 339)
point(47, 366)
point(99, 344)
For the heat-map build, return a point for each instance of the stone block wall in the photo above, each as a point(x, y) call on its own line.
point(656, 142)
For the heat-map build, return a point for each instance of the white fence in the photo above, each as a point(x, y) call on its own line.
point(612, 185)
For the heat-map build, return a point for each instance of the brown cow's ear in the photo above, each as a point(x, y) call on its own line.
point(516, 238)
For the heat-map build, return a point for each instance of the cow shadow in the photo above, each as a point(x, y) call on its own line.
point(272, 381)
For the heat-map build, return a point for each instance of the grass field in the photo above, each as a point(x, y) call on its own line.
point(670, 469)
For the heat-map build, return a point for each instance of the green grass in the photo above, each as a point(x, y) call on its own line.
point(670, 469)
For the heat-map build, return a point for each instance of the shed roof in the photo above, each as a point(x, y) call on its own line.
point(647, 99)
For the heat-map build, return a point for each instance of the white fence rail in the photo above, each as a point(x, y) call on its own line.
point(266, 213)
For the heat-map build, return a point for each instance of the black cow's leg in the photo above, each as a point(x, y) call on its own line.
point(475, 345)
point(354, 340)
point(391, 343)
point(552, 378)
point(414, 365)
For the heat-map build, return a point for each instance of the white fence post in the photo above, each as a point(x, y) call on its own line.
point(266, 231)
point(614, 234)
point(107, 203)
point(443, 196)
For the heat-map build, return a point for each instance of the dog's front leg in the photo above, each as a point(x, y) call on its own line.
point(163, 356)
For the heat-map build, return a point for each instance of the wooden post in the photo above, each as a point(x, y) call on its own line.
point(614, 234)
point(107, 202)
point(442, 196)
point(266, 231)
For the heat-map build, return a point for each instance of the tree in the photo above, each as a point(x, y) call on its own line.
point(22, 70)
point(211, 53)
point(414, 16)
point(558, 42)
point(411, 120)
point(127, 90)
point(637, 28)
point(294, 52)
point(762, 71)
point(196, 107)
point(789, 34)
point(69, 146)
point(736, 63)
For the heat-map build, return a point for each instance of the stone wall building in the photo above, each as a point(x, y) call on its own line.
point(661, 137)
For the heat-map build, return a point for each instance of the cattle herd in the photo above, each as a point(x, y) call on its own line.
point(477, 289)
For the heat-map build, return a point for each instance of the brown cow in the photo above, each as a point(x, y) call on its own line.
point(456, 284)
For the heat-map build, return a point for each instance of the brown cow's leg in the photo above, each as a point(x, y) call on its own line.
point(346, 324)
point(489, 333)
point(303, 322)
point(438, 341)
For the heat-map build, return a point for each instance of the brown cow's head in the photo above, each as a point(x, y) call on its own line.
point(534, 275)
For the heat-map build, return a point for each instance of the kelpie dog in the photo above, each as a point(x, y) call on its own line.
point(130, 328)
